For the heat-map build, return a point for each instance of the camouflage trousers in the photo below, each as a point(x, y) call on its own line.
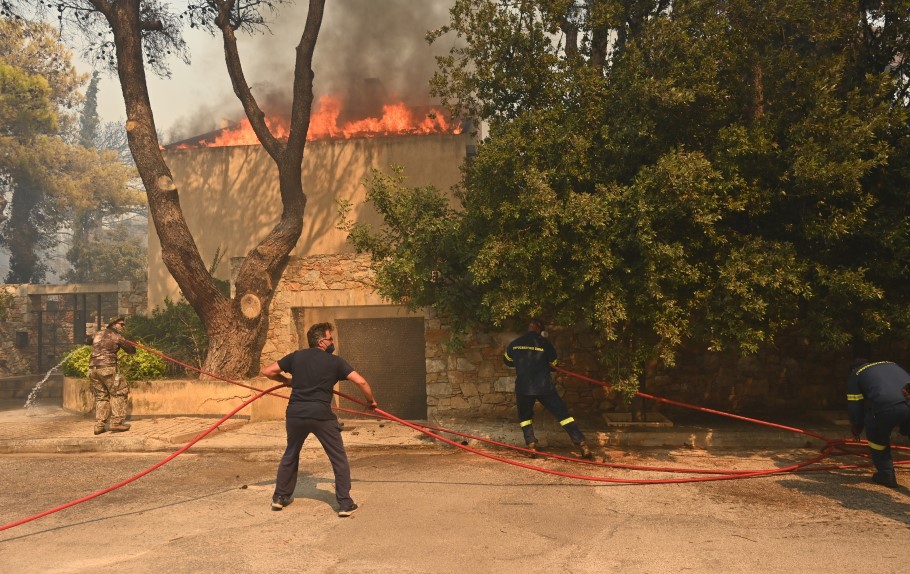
point(111, 393)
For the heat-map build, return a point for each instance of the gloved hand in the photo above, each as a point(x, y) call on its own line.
point(857, 430)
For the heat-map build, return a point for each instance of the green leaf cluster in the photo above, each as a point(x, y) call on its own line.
point(141, 366)
point(174, 330)
point(663, 173)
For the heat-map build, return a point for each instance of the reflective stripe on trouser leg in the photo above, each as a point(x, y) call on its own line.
point(878, 434)
point(574, 431)
point(525, 405)
point(881, 457)
point(560, 412)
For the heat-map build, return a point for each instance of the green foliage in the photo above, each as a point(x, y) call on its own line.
point(89, 121)
point(25, 106)
point(116, 256)
point(718, 173)
point(76, 364)
point(54, 183)
point(141, 366)
point(174, 330)
point(223, 285)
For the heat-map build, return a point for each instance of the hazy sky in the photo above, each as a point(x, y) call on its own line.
point(359, 39)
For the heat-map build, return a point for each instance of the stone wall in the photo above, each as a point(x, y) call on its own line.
point(469, 381)
point(314, 282)
point(42, 317)
point(132, 298)
point(14, 360)
point(792, 376)
point(472, 380)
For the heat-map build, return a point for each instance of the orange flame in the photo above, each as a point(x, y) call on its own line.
point(397, 119)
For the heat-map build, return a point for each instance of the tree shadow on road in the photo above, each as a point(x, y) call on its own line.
point(856, 493)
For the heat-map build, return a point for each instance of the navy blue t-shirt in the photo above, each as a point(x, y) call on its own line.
point(313, 376)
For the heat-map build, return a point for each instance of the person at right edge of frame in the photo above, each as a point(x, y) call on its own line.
point(110, 389)
point(314, 372)
point(878, 399)
point(533, 357)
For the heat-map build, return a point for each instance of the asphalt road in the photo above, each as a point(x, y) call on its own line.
point(436, 510)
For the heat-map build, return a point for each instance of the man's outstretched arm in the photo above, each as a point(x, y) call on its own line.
point(364, 387)
point(274, 373)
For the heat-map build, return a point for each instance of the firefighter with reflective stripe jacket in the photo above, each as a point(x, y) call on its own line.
point(878, 398)
point(533, 357)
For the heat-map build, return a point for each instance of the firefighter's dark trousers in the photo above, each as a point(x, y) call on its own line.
point(879, 427)
point(555, 405)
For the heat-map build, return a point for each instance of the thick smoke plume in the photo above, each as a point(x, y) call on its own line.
point(369, 52)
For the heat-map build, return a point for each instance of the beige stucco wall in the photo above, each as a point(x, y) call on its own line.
point(230, 199)
point(183, 398)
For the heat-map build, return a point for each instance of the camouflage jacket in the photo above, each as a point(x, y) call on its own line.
point(105, 345)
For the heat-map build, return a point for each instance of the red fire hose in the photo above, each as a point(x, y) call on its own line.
point(712, 475)
point(156, 466)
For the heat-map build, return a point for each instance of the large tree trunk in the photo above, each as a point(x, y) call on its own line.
point(236, 328)
point(22, 238)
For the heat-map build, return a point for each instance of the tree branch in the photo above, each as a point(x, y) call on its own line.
point(303, 79)
point(238, 81)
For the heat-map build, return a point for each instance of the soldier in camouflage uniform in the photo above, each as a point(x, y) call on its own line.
point(111, 390)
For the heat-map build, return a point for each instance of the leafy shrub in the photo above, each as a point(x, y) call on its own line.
point(173, 330)
point(142, 366)
point(76, 364)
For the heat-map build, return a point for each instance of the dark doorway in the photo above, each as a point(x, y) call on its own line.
point(390, 354)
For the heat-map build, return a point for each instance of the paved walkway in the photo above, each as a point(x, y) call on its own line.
point(48, 428)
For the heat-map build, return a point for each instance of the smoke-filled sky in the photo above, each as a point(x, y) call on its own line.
point(359, 39)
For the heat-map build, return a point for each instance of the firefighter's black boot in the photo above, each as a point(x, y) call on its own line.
point(586, 451)
point(885, 478)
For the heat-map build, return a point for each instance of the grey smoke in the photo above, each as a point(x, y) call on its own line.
point(368, 50)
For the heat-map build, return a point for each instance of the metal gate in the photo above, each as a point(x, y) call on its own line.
point(60, 323)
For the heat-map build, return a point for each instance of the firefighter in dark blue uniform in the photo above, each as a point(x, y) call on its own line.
point(533, 357)
point(878, 398)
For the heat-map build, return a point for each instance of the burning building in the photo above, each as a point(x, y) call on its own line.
point(229, 194)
